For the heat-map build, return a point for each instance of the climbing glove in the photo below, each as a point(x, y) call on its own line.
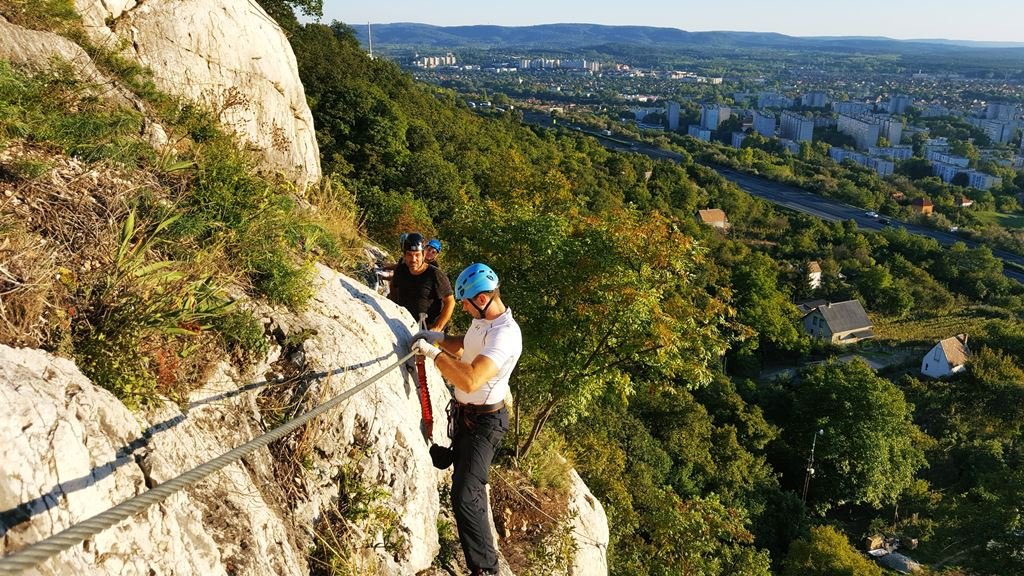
point(424, 348)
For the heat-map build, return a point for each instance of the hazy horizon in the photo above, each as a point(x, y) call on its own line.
point(995, 21)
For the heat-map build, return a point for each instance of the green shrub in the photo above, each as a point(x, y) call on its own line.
point(545, 466)
point(243, 336)
point(135, 304)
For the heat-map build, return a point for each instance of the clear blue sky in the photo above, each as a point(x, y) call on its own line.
point(992, 20)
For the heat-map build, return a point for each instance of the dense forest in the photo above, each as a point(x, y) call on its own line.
point(646, 333)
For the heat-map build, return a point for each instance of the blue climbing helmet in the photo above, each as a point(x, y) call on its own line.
point(476, 278)
point(435, 244)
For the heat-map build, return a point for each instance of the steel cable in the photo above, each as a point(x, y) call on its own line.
point(37, 553)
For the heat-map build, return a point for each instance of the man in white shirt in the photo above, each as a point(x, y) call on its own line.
point(478, 366)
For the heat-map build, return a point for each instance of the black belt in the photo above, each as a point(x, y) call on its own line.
point(482, 408)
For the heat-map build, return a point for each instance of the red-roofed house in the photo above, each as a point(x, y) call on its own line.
point(922, 206)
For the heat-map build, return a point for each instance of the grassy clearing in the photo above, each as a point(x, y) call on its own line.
point(1001, 219)
point(922, 331)
point(120, 255)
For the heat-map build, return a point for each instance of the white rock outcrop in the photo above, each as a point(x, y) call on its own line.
point(227, 54)
point(589, 529)
point(72, 450)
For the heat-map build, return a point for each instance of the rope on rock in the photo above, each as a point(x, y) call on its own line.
point(37, 553)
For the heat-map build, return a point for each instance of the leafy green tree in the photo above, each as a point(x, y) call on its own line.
point(866, 453)
point(654, 529)
point(763, 306)
point(827, 552)
point(283, 11)
point(597, 297)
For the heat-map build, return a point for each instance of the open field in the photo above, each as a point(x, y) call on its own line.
point(1002, 219)
point(924, 330)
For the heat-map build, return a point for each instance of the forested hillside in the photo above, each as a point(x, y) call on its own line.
point(646, 333)
point(664, 360)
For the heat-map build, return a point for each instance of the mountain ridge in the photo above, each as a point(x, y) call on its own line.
point(580, 35)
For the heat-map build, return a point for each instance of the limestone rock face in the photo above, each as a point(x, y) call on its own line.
point(226, 54)
point(68, 456)
point(34, 49)
point(590, 529)
point(73, 450)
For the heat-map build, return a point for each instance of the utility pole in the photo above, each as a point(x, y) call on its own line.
point(810, 465)
point(369, 37)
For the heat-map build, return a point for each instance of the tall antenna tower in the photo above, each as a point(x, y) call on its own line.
point(369, 36)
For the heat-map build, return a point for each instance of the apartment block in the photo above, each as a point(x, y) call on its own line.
point(982, 181)
point(814, 100)
point(796, 127)
point(862, 129)
point(672, 115)
point(942, 157)
point(892, 152)
point(699, 133)
point(946, 171)
point(1000, 131)
point(712, 115)
point(899, 104)
point(881, 166)
point(773, 100)
point(852, 108)
point(764, 123)
point(1000, 111)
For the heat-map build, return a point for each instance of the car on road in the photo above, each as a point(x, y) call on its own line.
point(871, 214)
point(884, 221)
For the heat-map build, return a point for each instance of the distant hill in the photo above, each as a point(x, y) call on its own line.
point(576, 36)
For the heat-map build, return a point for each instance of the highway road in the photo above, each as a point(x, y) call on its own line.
point(787, 196)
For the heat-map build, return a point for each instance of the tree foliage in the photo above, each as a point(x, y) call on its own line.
point(827, 552)
point(866, 453)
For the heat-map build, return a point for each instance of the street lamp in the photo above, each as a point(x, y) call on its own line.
point(810, 464)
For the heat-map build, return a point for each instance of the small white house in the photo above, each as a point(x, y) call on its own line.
point(814, 275)
point(947, 357)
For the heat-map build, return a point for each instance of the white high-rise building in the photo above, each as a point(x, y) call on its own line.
point(672, 115)
point(773, 100)
point(712, 115)
point(796, 127)
point(863, 130)
point(1000, 111)
point(814, 100)
point(699, 133)
point(889, 127)
point(899, 104)
point(764, 123)
point(851, 108)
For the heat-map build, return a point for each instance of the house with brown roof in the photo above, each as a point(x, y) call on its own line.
point(922, 206)
point(814, 275)
point(964, 202)
point(839, 322)
point(947, 357)
point(714, 217)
